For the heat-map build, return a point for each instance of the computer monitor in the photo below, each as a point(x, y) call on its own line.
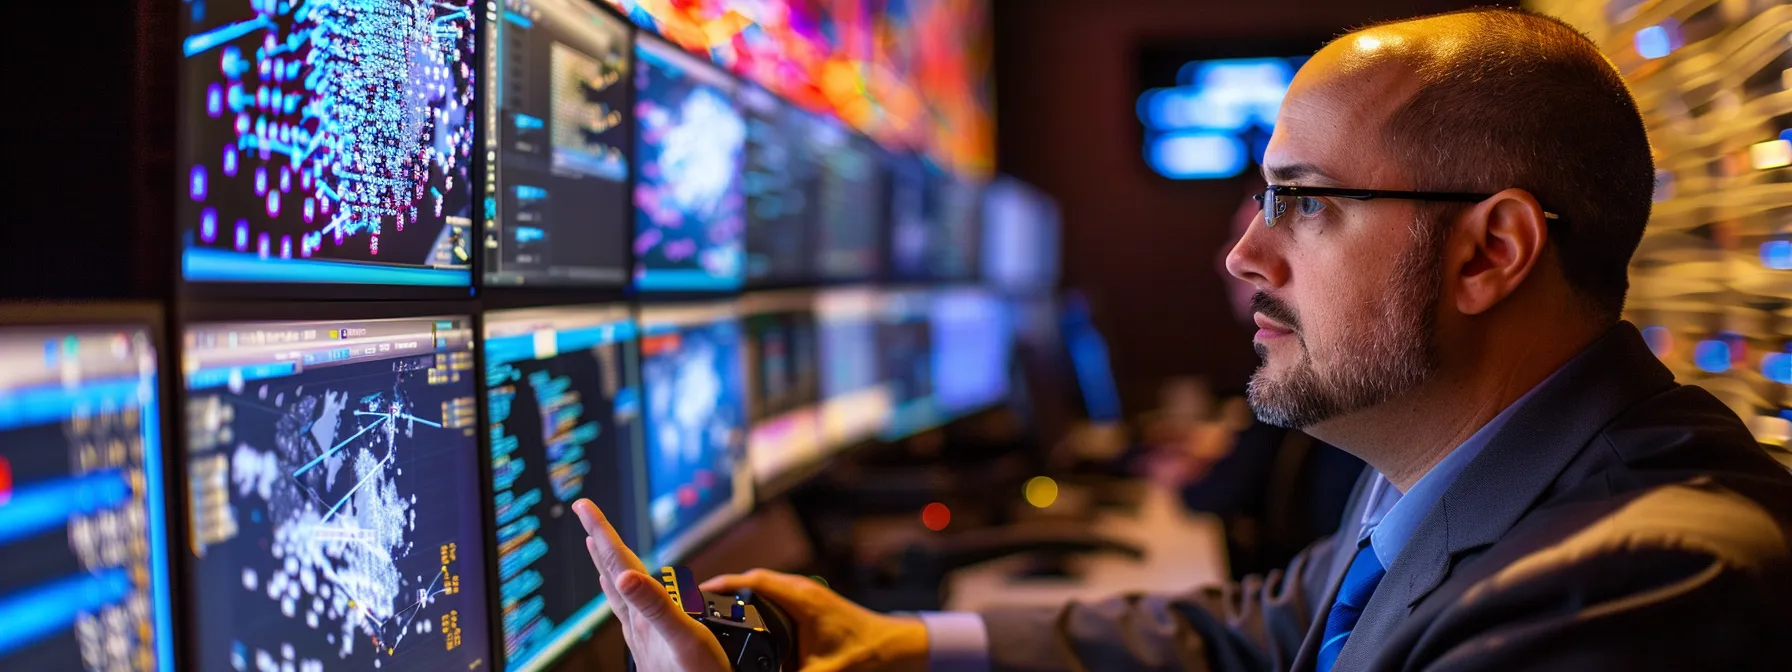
point(910, 231)
point(851, 218)
point(955, 209)
point(1021, 251)
point(781, 183)
point(334, 503)
point(934, 223)
point(558, 125)
point(697, 480)
point(905, 348)
point(783, 364)
point(690, 210)
point(973, 345)
point(856, 399)
point(84, 553)
point(327, 142)
point(563, 401)
point(1088, 352)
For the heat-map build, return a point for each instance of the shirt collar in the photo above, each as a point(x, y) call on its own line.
point(1392, 517)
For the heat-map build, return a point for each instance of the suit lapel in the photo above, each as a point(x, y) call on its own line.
point(1506, 480)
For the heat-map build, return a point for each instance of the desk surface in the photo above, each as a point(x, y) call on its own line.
point(1183, 550)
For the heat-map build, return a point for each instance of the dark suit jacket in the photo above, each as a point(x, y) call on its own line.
point(1617, 521)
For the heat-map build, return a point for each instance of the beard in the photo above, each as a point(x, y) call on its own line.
point(1390, 350)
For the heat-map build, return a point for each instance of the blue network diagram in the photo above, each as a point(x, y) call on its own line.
point(690, 209)
point(696, 422)
point(84, 564)
point(328, 141)
point(336, 524)
point(563, 427)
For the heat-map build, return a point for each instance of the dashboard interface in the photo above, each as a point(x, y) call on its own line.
point(557, 195)
point(83, 530)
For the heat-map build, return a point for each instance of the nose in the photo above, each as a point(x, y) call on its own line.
point(1255, 258)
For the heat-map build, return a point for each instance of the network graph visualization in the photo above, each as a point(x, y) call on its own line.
point(84, 564)
point(327, 141)
point(696, 425)
point(565, 413)
point(690, 211)
point(556, 199)
point(332, 476)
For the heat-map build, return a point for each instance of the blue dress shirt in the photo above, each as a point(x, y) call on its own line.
point(959, 642)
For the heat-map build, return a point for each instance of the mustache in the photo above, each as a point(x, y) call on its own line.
point(1273, 308)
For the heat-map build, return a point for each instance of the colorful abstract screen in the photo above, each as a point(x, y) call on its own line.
point(333, 477)
point(327, 141)
point(912, 73)
point(83, 525)
point(565, 411)
point(557, 205)
point(695, 407)
point(690, 211)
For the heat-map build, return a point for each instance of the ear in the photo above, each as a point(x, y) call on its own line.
point(1496, 245)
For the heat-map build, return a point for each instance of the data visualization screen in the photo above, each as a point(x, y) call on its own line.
point(565, 414)
point(780, 182)
point(856, 400)
point(83, 532)
point(783, 364)
point(911, 232)
point(557, 196)
point(973, 345)
point(1020, 237)
point(327, 142)
point(853, 208)
point(905, 348)
point(697, 479)
point(690, 145)
point(333, 482)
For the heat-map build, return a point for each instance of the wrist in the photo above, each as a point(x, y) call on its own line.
point(901, 646)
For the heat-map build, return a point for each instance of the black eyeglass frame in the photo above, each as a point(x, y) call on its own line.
point(1274, 193)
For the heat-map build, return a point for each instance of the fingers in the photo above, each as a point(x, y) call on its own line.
point(612, 555)
point(783, 588)
point(605, 581)
point(646, 597)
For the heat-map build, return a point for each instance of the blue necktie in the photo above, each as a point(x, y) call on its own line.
point(1359, 583)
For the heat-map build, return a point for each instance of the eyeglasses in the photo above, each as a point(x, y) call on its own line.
point(1305, 201)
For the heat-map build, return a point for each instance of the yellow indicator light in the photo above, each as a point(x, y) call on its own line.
point(1041, 491)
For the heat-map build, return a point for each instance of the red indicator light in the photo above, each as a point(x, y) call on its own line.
point(5, 481)
point(687, 496)
point(936, 516)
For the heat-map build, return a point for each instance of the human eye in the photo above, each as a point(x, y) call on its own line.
point(1308, 206)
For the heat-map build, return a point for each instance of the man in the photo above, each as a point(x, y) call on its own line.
point(1542, 494)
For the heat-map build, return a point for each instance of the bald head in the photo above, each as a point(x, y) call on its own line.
point(1491, 99)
